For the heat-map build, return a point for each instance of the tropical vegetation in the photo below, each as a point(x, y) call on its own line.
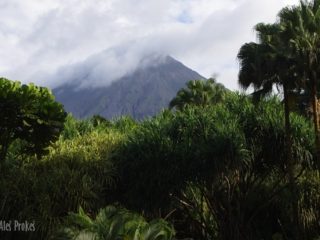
point(199, 93)
point(28, 115)
point(113, 223)
point(215, 165)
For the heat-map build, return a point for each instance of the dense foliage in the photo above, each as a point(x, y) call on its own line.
point(220, 166)
point(215, 172)
point(232, 155)
point(30, 114)
point(75, 173)
point(199, 93)
point(113, 223)
point(287, 54)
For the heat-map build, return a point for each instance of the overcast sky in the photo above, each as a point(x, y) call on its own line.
point(39, 37)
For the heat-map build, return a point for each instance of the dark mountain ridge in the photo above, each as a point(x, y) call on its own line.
point(142, 93)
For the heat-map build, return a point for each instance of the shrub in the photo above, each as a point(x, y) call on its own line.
point(234, 154)
point(76, 172)
point(113, 223)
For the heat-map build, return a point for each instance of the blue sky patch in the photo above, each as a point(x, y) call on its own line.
point(185, 17)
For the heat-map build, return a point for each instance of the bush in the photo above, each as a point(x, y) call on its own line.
point(234, 154)
point(76, 172)
point(113, 223)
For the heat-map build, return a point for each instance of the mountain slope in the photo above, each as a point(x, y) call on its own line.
point(140, 94)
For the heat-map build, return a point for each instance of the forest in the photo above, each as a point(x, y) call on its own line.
point(214, 165)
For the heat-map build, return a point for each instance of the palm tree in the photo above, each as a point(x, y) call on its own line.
point(264, 65)
point(301, 25)
point(199, 93)
point(267, 64)
point(294, 40)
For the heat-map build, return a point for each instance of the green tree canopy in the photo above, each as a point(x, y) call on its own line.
point(286, 54)
point(301, 26)
point(29, 113)
point(283, 56)
point(199, 93)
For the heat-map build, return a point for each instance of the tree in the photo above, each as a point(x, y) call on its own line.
point(28, 113)
point(299, 37)
point(301, 25)
point(234, 152)
point(270, 63)
point(200, 93)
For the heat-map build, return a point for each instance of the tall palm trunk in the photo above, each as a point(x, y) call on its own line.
point(315, 114)
point(290, 162)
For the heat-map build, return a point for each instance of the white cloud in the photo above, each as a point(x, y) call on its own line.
point(39, 37)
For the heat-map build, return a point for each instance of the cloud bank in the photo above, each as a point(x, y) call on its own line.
point(51, 41)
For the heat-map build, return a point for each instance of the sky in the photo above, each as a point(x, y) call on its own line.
point(50, 41)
